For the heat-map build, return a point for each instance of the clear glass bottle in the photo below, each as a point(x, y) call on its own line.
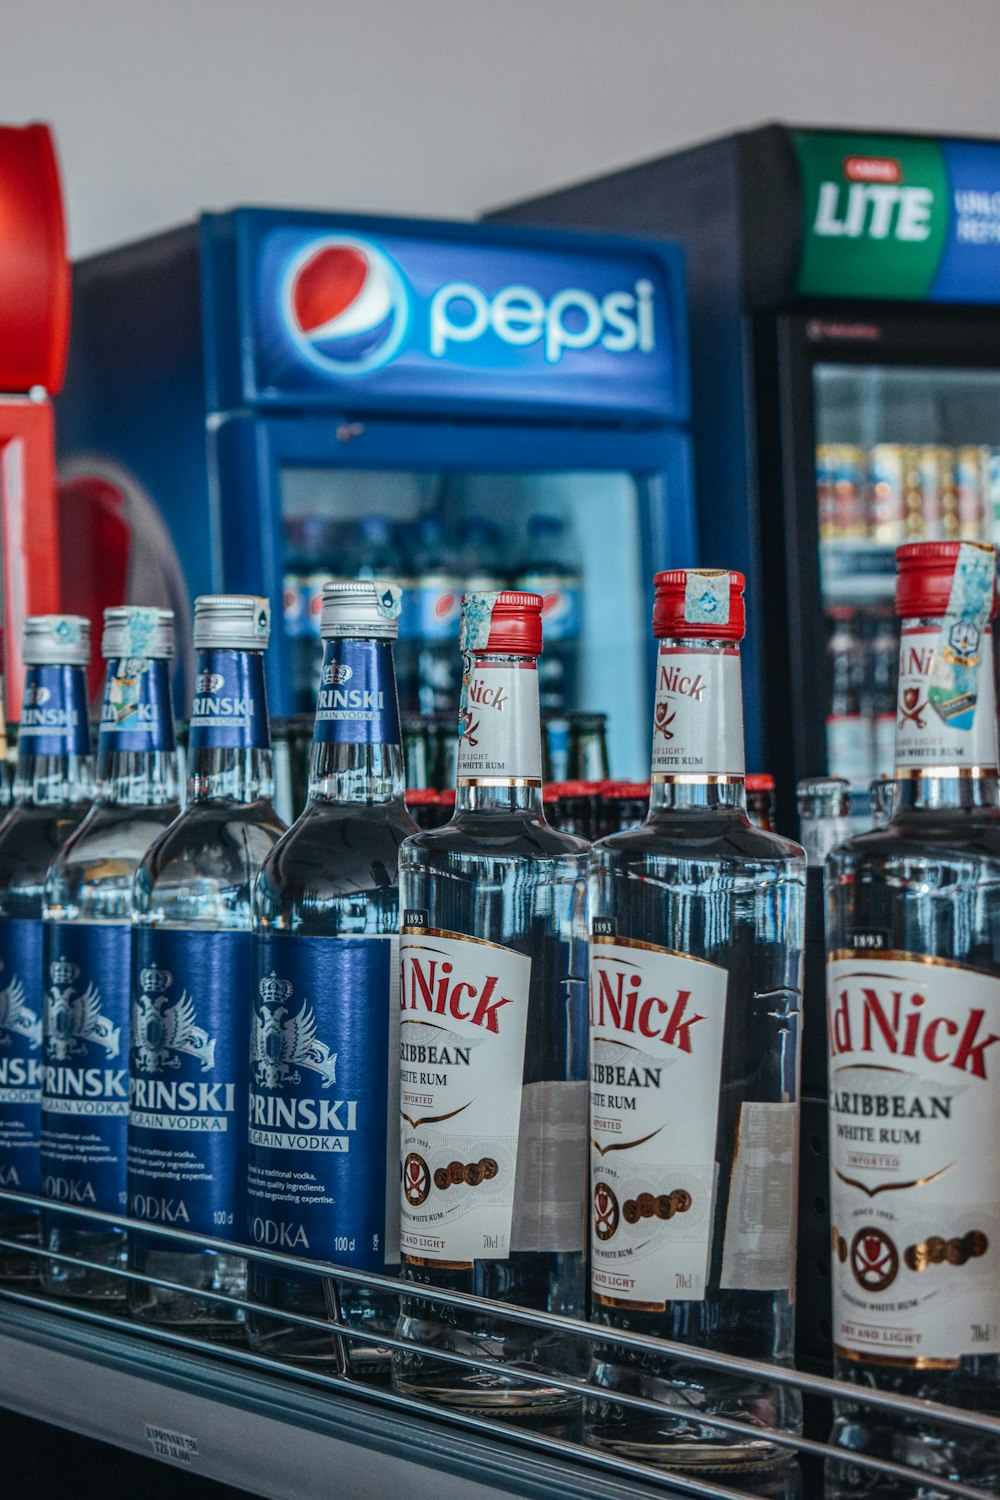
point(53, 787)
point(87, 943)
point(191, 983)
point(696, 960)
point(324, 1114)
point(913, 993)
point(493, 1047)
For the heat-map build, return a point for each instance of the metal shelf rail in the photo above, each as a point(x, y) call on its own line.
point(493, 1448)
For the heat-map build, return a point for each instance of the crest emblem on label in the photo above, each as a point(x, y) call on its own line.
point(73, 1021)
point(16, 1018)
point(282, 1043)
point(160, 1029)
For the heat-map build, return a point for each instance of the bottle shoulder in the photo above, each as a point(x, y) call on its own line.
point(332, 851)
point(114, 834)
point(495, 835)
point(701, 835)
point(29, 838)
point(939, 836)
point(217, 838)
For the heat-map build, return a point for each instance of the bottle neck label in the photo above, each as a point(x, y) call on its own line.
point(85, 1072)
point(464, 1016)
point(498, 722)
point(54, 718)
point(915, 1197)
point(320, 1065)
point(21, 1006)
point(188, 1080)
point(230, 705)
point(946, 709)
point(356, 703)
point(657, 1023)
point(137, 715)
point(697, 713)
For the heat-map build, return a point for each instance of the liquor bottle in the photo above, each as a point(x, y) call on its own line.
point(53, 787)
point(588, 748)
point(493, 1046)
point(824, 804)
point(87, 942)
point(913, 996)
point(324, 1089)
point(696, 958)
point(416, 750)
point(191, 984)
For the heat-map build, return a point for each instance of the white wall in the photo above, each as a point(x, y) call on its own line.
point(445, 107)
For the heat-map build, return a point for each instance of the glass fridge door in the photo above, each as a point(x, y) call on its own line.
point(903, 453)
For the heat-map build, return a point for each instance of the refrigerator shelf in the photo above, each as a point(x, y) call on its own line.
point(858, 573)
point(279, 1430)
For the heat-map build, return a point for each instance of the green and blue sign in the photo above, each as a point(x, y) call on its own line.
point(899, 217)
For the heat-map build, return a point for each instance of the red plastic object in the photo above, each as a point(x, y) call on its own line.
point(925, 571)
point(670, 620)
point(34, 270)
point(515, 624)
point(29, 540)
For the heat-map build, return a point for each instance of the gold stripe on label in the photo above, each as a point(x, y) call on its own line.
point(894, 1361)
point(460, 937)
point(625, 942)
point(623, 1302)
point(662, 778)
point(499, 781)
point(900, 956)
point(944, 773)
point(442, 1265)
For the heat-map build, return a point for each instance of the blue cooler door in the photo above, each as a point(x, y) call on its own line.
point(584, 516)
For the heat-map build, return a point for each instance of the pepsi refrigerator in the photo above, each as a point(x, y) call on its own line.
point(845, 328)
point(261, 379)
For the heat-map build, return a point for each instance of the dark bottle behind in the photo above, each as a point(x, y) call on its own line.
point(913, 996)
point(493, 1046)
point(53, 787)
point(324, 1102)
point(696, 955)
point(588, 747)
point(760, 800)
point(191, 984)
point(87, 946)
point(848, 729)
point(551, 568)
point(438, 607)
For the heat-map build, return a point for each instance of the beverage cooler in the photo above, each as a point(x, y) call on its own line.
point(302, 395)
point(846, 397)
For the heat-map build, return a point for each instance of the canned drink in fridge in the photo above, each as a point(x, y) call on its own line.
point(971, 470)
point(850, 510)
point(932, 465)
point(888, 481)
point(826, 492)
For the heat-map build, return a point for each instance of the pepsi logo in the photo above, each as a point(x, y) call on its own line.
point(444, 606)
point(345, 304)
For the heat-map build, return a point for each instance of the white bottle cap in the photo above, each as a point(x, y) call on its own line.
point(56, 641)
point(362, 607)
point(231, 622)
point(135, 630)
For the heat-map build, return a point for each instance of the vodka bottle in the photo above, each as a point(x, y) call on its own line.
point(324, 1101)
point(913, 994)
point(493, 1045)
point(88, 912)
point(696, 958)
point(53, 787)
point(191, 983)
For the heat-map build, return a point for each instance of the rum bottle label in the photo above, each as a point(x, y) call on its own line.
point(914, 1178)
point(697, 713)
point(463, 1014)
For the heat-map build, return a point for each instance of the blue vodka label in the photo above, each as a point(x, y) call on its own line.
point(356, 703)
point(20, 1053)
point(230, 708)
point(85, 1063)
point(136, 714)
point(188, 1080)
point(324, 1153)
point(54, 717)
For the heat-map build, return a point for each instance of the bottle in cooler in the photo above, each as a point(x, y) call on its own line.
point(760, 800)
point(309, 562)
point(551, 568)
point(588, 747)
point(53, 788)
point(417, 752)
point(971, 483)
point(883, 663)
point(479, 551)
point(848, 738)
point(439, 606)
point(888, 492)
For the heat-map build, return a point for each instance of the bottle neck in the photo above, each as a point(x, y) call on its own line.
point(357, 754)
point(229, 749)
point(499, 729)
point(136, 754)
point(698, 756)
point(54, 763)
point(946, 724)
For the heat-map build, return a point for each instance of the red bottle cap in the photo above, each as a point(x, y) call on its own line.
point(697, 602)
point(615, 791)
point(575, 788)
point(925, 571)
point(420, 796)
point(508, 622)
point(759, 781)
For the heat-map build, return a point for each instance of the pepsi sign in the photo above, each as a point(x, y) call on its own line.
point(377, 313)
